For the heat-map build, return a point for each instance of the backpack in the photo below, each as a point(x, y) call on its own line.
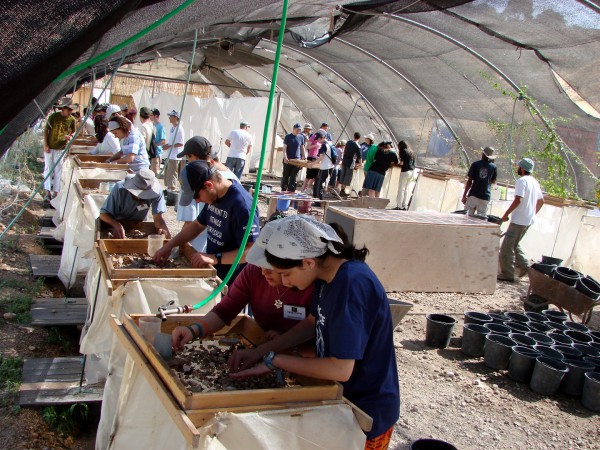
point(334, 155)
point(152, 147)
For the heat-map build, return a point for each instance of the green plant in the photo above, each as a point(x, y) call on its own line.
point(17, 298)
point(539, 139)
point(10, 379)
point(66, 420)
point(55, 337)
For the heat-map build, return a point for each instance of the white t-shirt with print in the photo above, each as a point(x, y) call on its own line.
point(530, 192)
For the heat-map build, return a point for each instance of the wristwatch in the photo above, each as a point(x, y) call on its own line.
point(268, 360)
point(219, 256)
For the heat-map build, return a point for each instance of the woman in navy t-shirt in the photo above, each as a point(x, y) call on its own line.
point(349, 317)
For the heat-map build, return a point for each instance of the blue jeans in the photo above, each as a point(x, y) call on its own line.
point(236, 165)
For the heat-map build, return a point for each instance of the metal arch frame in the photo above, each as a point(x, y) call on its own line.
point(492, 66)
point(416, 88)
point(369, 104)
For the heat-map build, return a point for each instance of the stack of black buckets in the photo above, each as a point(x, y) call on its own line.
point(546, 351)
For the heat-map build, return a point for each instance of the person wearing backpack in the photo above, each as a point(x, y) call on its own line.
point(148, 133)
point(327, 160)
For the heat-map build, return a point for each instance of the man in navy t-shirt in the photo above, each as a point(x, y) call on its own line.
point(482, 174)
point(293, 148)
point(225, 219)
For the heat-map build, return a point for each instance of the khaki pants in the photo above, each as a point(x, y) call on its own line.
point(511, 255)
point(172, 171)
point(476, 206)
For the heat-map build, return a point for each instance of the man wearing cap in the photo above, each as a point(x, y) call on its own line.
point(240, 146)
point(352, 156)
point(59, 130)
point(527, 203)
point(482, 174)
point(325, 130)
point(198, 148)
point(293, 148)
point(225, 218)
point(131, 199)
point(112, 110)
point(160, 138)
point(172, 147)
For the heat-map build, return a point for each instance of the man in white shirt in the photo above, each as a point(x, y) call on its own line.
point(527, 203)
point(147, 128)
point(240, 146)
point(173, 146)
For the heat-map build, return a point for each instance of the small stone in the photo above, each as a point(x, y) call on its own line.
point(31, 348)
point(449, 374)
point(9, 316)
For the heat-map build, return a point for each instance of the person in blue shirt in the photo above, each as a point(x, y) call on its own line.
point(133, 147)
point(129, 202)
point(349, 317)
point(225, 217)
point(160, 138)
point(293, 148)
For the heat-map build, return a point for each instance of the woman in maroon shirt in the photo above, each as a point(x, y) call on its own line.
point(275, 308)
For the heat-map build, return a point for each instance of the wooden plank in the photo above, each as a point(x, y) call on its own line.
point(179, 416)
point(103, 271)
point(44, 265)
point(59, 311)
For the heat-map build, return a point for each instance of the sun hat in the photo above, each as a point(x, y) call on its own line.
point(64, 102)
point(294, 237)
point(143, 185)
point(193, 177)
point(527, 164)
point(489, 152)
point(197, 145)
point(308, 125)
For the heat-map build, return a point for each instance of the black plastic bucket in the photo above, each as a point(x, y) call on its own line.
point(556, 316)
point(572, 384)
point(536, 317)
point(551, 260)
point(497, 351)
point(595, 360)
point(473, 340)
point(595, 344)
point(516, 317)
point(557, 326)
point(498, 318)
point(546, 269)
point(586, 349)
point(431, 444)
point(477, 317)
point(590, 396)
point(521, 364)
point(548, 352)
point(517, 327)
point(566, 275)
point(540, 338)
point(595, 335)
point(522, 341)
point(560, 338)
point(547, 375)
point(577, 327)
point(498, 328)
point(439, 330)
point(588, 286)
point(568, 352)
point(539, 327)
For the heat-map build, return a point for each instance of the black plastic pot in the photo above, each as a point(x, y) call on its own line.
point(589, 287)
point(477, 317)
point(539, 327)
point(521, 364)
point(473, 340)
point(551, 260)
point(577, 327)
point(522, 340)
point(590, 396)
point(516, 316)
point(595, 360)
point(546, 269)
point(498, 318)
point(439, 330)
point(498, 328)
point(568, 352)
point(494, 219)
point(595, 335)
point(572, 384)
point(547, 375)
point(548, 352)
point(594, 344)
point(497, 351)
point(431, 444)
point(560, 338)
point(566, 275)
point(586, 349)
point(540, 338)
point(556, 316)
point(536, 317)
point(557, 327)
point(578, 336)
point(517, 327)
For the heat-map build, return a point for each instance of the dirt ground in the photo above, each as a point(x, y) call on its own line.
point(447, 396)
point(444, 395)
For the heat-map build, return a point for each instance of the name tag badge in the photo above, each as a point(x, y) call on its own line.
point(294, 312)
point(142, 207)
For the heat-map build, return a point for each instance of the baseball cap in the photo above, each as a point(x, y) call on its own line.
point(112, 109)
point(308, 125)
point(143, 184)
point(489, 152)
point(193, 177)
point(370, 136)
point(527, 164)
point(298, 126)
point(156, 112)
point(145, 111)
point(324, 124)
point(173, 113)
point(320, 134)
point(281, 238)
point(244, 124)
point(197, 145)
point(64, 102)
point(112, 125)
